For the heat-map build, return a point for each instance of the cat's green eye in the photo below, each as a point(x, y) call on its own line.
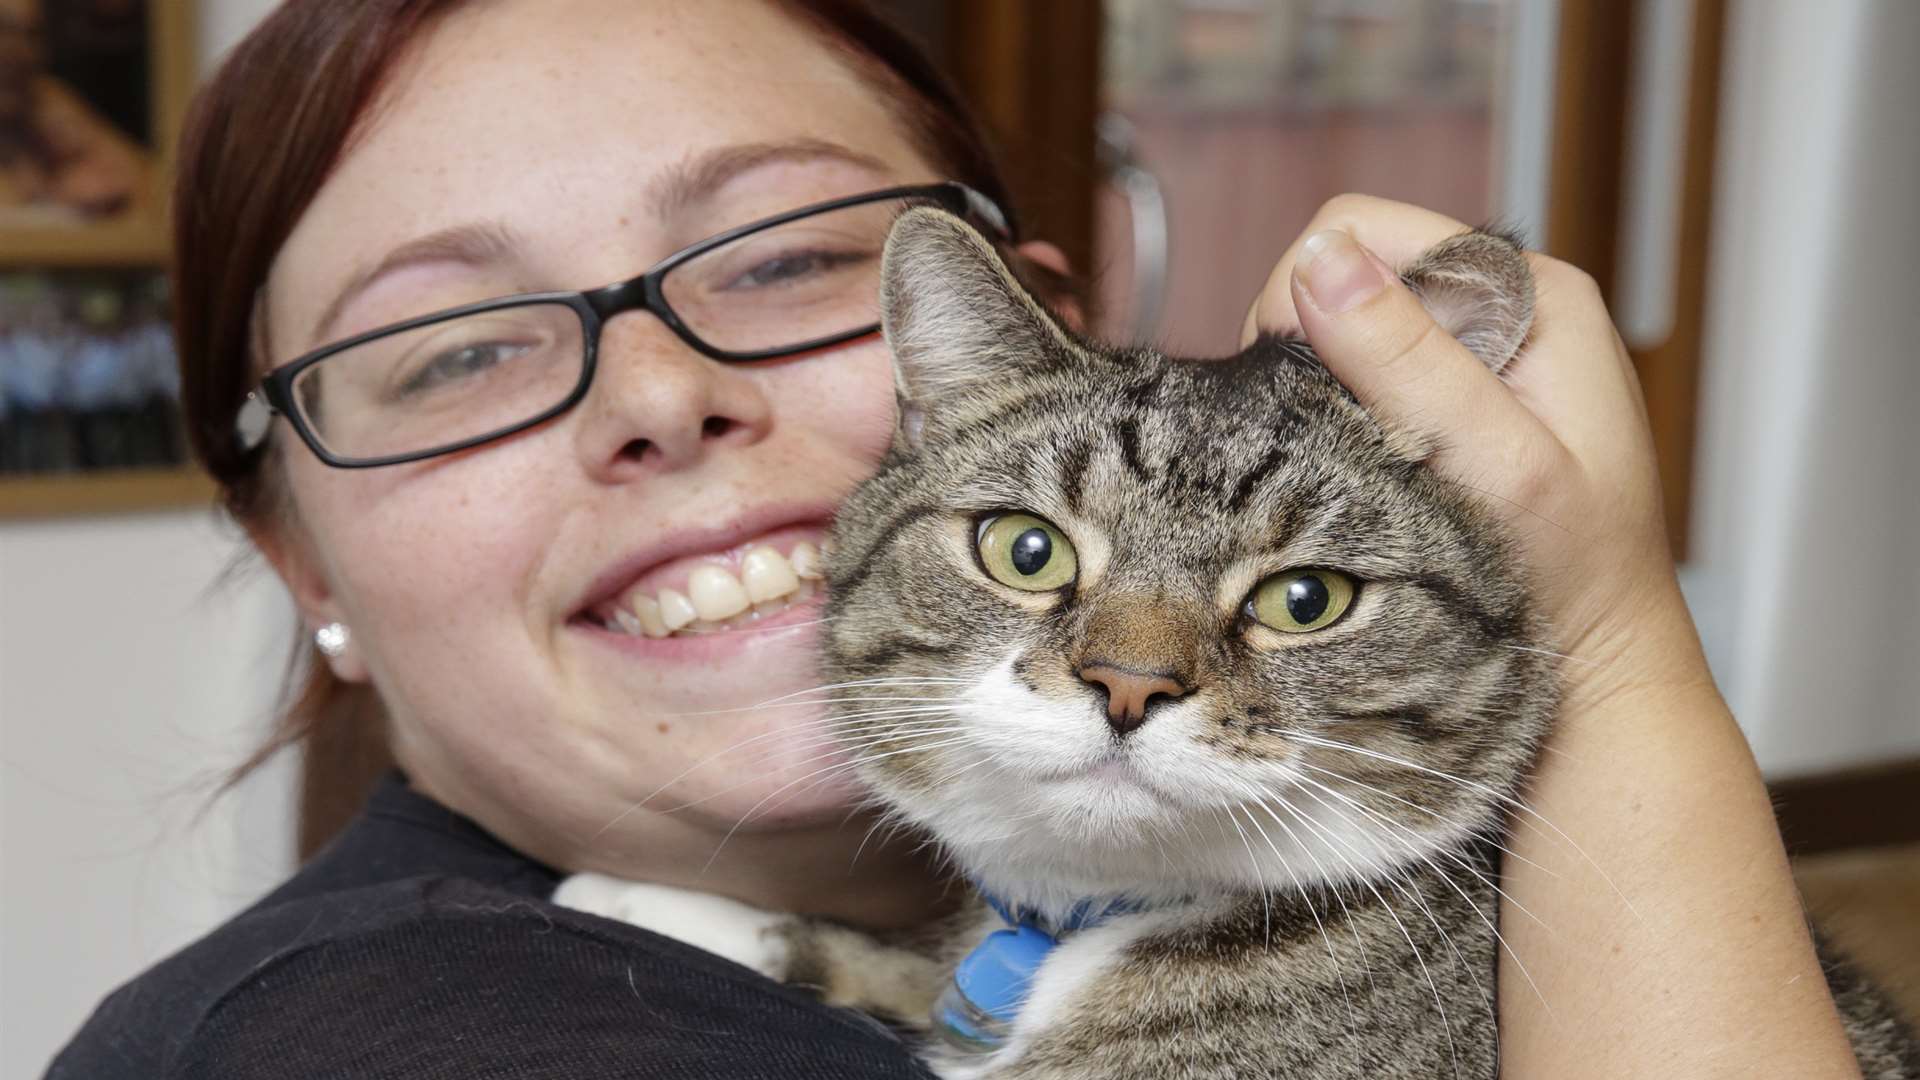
point(1023, 552)
point(1301, 601)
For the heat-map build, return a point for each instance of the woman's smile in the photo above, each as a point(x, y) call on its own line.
point(695, 582)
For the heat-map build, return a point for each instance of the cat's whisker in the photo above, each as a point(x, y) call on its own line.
point(880, 825)
point(755, 808)
point(1429, 811)
point(1307, 899)
point(830, 724)
point(803, 703)
point(1449, 853)
point(1166, 859)
point(1333, 886)
point(1490, 924)
point(947, 733)
point(1549, 652)
point(1438, 872)
point(883, 680)
point(750, 628)
point(836, 744)
point(1459, 961)
point(901, 681)
point(1523, 508)
point(879, 732)
point(1476, 787)
point(1253, 864)
point(834, 751)
point(1366, 881)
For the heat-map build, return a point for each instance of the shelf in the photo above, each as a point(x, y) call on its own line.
point(62, 494)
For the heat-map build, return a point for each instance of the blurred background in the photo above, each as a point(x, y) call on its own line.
point(1740, 176)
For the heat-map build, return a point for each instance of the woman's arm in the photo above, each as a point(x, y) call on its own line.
point(1650, 903)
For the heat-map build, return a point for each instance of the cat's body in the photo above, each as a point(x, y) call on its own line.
point(1199, 639)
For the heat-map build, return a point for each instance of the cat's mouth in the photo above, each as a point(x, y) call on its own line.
point(1113, 769)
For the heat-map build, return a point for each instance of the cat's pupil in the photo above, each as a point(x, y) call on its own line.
point(1030, 551)
point(1307, 599)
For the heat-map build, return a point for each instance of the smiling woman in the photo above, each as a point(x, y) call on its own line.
point(617, 388)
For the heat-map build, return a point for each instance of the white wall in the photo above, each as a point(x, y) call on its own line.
point(128, 683)
point(1807, 517)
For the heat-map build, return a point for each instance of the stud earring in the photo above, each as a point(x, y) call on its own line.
point(331, 639)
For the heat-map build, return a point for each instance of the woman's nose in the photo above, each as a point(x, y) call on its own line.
point(656, 405)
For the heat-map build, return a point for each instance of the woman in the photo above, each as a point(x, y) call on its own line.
point(445, 154)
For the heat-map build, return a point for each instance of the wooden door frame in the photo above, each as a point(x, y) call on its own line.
point(1031, 72)
point(1586, 182)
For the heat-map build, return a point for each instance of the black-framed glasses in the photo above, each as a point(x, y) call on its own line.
point(803, 280)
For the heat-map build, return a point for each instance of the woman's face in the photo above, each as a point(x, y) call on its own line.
point(595, 137)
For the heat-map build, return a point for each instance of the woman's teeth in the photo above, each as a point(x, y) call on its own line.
point(769, 582)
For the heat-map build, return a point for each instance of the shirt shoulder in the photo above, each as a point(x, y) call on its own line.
point(441, 977)
point(419, 945)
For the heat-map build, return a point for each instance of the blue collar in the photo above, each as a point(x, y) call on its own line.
point(992, 982)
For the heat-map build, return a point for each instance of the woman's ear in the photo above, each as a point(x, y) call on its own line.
point(1068, 308)
point(292, 558)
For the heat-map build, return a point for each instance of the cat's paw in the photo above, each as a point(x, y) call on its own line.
point(743, 934)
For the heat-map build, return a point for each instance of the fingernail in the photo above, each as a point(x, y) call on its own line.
point(1337, 274)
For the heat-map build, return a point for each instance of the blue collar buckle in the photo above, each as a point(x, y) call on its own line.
point(990, 984)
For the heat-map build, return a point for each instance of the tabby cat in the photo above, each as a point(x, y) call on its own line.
point(1201, 676)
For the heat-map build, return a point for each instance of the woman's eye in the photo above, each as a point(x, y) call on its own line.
point(1301, 601)
point(1023, 552)
point(793, 266)
point(461, 363)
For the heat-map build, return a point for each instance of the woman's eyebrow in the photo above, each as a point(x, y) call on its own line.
point(474, 243)
point(686, 183)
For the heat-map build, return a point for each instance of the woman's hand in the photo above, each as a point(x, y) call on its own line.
point(1558, 445)
point(1652, 928)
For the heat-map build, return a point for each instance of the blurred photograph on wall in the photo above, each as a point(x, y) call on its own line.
point(87, 90)
point(87, 375)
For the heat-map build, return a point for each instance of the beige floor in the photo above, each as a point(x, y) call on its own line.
point(1868, 901)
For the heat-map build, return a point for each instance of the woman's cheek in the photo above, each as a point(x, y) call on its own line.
point(437, 545)
point(852, 401)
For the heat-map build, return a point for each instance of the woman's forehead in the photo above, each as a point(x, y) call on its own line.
point(596, 133)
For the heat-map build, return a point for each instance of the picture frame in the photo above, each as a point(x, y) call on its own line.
point(85, 162)
point(92, 95)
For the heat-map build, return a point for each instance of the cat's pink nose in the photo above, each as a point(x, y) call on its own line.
point(1130, 692)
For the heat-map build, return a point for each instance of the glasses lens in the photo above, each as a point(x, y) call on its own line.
point(443, 383)
point(808, 280)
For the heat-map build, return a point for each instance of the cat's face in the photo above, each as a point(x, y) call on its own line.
point(1116, 622)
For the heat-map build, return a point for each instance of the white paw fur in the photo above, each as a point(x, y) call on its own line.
point(727, 928)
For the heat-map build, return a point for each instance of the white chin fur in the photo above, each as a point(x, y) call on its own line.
point(1017, 819)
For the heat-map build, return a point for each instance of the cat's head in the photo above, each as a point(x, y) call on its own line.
point(1107, 621)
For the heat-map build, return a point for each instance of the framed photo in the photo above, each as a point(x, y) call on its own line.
point(89, 394)
point(91, 95)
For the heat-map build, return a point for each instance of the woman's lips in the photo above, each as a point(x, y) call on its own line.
point(673, 555)
point(721, 590)
point(710, 643)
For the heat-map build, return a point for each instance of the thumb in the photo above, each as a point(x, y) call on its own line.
point(1370, 330)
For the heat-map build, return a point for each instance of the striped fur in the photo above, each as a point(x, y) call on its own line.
point(1311, 830)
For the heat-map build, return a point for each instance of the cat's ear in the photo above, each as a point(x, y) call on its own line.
point(957, 320)
point(1478, 287)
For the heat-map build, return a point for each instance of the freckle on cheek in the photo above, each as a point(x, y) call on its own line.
point(662, 727)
